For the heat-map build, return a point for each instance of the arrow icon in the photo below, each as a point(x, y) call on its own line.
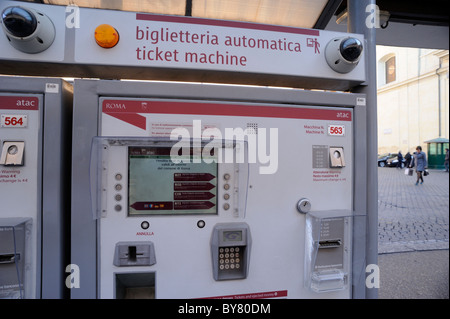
point(193, 205)
point(193, 186)
point(188, 177)
point(192, 195)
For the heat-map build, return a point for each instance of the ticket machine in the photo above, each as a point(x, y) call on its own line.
point(34, 186)
point(185, 190)
point(209, 191)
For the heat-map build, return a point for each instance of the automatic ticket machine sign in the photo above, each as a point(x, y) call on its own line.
point(174, 47)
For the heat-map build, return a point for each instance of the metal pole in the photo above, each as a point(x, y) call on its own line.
point(359, 22)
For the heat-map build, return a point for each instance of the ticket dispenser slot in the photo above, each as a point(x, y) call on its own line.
point(327, 246)
point(230, 250)
point(12, 153)
point(135, 285)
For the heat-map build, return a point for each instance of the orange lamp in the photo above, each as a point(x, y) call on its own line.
point(106, 36)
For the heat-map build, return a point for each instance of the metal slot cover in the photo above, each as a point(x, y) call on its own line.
point(330, 243)
point(134, 254)
point(12, 153)
point(337, 157)
point(9, 258)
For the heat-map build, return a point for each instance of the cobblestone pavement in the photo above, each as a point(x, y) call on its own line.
point(410, 217)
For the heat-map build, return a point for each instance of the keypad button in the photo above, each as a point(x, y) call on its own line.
point(229, 259)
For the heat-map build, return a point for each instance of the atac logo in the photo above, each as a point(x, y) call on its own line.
point(26, 103)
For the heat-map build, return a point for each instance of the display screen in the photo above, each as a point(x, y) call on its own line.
point(159, 186)
point(232, 235)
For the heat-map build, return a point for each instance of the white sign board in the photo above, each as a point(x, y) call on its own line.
point(148, 40)
point(164, 47)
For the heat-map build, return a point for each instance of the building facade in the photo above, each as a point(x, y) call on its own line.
point(413, 96)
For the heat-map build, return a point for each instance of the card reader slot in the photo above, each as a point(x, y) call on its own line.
point(334, 243)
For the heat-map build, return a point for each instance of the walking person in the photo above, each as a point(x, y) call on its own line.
point(420, 161)
point(400, 159)
point(408, 159)
point(446, 160)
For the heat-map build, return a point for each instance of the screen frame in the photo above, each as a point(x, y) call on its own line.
point(212, 211)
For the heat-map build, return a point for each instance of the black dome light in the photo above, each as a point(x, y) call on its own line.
point(20, 22)
point(351, 49)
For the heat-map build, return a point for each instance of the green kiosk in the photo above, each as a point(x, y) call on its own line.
point(436, 152)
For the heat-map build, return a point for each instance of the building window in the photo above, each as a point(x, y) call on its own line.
point(390, 70)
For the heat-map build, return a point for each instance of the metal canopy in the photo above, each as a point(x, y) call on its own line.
point(415, 12)
point(298, 13)
point(412, 23)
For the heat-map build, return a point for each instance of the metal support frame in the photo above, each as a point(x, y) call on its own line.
point(54, 160)
point(357, 24)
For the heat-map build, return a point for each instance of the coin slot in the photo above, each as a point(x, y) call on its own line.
point(12, 153)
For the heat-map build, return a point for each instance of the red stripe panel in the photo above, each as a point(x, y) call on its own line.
point(195, 108)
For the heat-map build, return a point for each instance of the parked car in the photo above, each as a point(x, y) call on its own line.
point(389, 160)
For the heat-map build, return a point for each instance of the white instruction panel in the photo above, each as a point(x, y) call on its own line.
point(20, 136)
point(199, 222)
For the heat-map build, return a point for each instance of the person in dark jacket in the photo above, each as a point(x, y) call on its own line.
point(420, 161)
point(408, 159)
point(400, 159)
point(446, 160)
